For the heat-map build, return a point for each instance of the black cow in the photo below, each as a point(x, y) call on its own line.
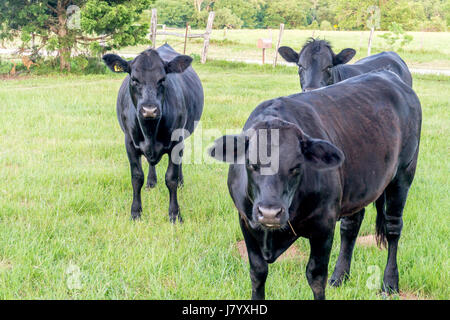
point(160, 94)
point(319, 66)
point(372, 121)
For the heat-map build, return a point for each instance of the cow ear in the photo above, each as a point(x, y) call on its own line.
point(288, 54)
point(116, 63)
point(178, 64)
point(229, 148)
point(321, 154)
point(344, 56)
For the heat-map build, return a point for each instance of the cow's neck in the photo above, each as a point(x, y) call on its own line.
point(149, 146)
point(267, 245)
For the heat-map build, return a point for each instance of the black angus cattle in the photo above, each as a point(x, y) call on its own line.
point(161, 94)
point(319, 66)
point(341, 148)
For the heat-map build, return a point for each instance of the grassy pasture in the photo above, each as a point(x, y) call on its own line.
point(429, 50)
point(65, 195)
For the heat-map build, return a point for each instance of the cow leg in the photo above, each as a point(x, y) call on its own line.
point(137, 178)
point(180, 177)
point(349, 232)
point(317, 267)
point(258, 266)
point(152, 177)
point(172, 179)
point(396, 194)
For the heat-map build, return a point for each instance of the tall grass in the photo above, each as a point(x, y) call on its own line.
point(65, 195)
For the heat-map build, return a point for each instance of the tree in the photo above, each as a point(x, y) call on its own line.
point(289, 12)
point(62, 25)
point(176, 12)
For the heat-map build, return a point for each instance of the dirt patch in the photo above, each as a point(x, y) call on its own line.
point(403, 295)
point(367, 241)
point(409, 296)
point(289, 254)
point(170, 283)
point(5, 265)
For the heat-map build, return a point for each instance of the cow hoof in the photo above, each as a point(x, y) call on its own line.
point(388, 290)
point(174, 218)
point(151, 184)
point(337, 281)
point(135, 216)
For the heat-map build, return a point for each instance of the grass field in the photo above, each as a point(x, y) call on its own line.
point(427, 50)
point(65, 195)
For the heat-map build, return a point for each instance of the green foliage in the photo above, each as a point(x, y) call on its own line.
point(325, 25)
point(243, 10)
point(224, 17)
point(397, 37)
point(314, 25)
point(348, 14)
point(114, 21)
point(289, 12)
point(175, 12)
point(436, 23)
point(5, 66)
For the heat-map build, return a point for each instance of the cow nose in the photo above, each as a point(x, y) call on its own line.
point(270, 217)
point(149, 111)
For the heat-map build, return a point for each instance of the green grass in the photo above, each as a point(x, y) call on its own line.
point(427, 50)
point(65, 196)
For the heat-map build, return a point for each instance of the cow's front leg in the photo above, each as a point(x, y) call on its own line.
point(137, 177)
point(258, 266)
point(172, 180)
point(349, 232)
point(180, 177)
point(317, 268)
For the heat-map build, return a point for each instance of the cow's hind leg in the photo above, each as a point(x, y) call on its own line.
point(137, 178)
point(151, 178)
point(172, 180)
point(349, 232)
point(396, 194)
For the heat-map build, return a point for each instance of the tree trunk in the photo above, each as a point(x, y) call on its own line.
point(64, 49)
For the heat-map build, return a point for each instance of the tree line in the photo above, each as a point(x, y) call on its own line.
point(90, 27)
point(417, 15)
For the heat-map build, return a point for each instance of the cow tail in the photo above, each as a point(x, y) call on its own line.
point(380, 205)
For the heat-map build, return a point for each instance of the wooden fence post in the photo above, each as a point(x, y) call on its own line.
point(153, 26)
point(208, 31)
point(185, 37)
point(369, 46)
point(278, 44)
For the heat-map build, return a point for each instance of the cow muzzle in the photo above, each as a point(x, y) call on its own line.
point(270, 217)
point(150, 112)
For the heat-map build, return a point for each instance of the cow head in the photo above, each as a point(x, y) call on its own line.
point(147, 79)
point(315, 62)
point(272, 194)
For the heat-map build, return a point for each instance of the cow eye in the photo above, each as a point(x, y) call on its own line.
point(294, 171)
point(134, 81)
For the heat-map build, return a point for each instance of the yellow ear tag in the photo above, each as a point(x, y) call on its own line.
point(118, 68)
